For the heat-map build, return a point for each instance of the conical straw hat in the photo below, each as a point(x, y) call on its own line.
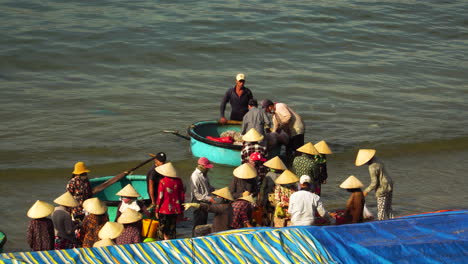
point(128, 191)
point(225, 193)
point(129, 216)
point(245, 171)
point(67, 200)
point(104, 243)
point(80, 168)
point(364, 155)
point(40, 209)
point(323, 148)
point(287, 177)
point(167, 170)
point(275, 163)
point(252, 136)
point(111, 230)
point(351, 183)
point(308, 149)
point(247, 198)
point(95, 206)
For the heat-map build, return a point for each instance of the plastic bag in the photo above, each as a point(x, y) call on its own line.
point(366, 213)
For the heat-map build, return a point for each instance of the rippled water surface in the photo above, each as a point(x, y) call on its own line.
point(98, 81)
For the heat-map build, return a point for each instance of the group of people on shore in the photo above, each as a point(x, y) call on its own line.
point(266, 190)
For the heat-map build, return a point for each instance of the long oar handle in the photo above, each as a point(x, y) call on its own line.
point(116, 178)
point(175, 132)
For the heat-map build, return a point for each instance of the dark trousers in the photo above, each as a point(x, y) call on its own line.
point(200, 217)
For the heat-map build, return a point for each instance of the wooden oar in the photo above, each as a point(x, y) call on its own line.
point(175, 132)
point(116, 178)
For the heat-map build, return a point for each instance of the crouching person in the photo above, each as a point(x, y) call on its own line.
point(222, 210)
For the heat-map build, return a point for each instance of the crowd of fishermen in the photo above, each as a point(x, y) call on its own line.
point(266, 190)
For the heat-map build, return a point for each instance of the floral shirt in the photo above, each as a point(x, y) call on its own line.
point(80, 188)
point(282, 194)
point(171, 196)
point(41, 234)
point(90, 228)
point(130, 235)
point(306, 165)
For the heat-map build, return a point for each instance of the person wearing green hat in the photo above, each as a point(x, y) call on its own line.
point(80, 187)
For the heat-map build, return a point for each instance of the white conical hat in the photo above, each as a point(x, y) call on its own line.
point(111, 230)
point(351, 183)
point(167, 170)
point(67, 200)
point(323, 148)
point(245, 171)
point(252, 136)
point(275, 163)
point(364, 155)
point(40, 209)
point(104, 243)
point(308, 148)
point(225, 193)
point(247, 198)
point(95, 206)
point(128, 191)
point(287, 177)
point(129, 216)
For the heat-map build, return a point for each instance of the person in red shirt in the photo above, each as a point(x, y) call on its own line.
point(171, 196)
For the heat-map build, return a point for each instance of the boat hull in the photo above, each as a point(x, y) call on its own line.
point(108, 195)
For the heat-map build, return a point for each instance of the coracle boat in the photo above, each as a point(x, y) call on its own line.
point(3, 240)
point(439, 237)
point(218, 152)
point(108, 194)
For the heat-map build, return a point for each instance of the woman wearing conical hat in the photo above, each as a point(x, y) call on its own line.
point(244, 180)
point(222, 210)
point(171, 196)
point(131, 219)
point(252, 144)
point(129, 199)
point(242, 209)
point(110, 231)
point(380, 182)
point(306, 164)
point(80, 187)
point(355, 203)
point(64, 225)
point(275, 167)
point(93, 221)
point(286, 185)
point(321, 159)
point(41, 228)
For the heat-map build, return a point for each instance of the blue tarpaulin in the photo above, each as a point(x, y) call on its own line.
point(426, 238)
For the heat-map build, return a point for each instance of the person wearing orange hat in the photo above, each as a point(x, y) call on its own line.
point(80, 187)
point(41, 228)
point(201, 189)
point(380, 182)
point(238, 96)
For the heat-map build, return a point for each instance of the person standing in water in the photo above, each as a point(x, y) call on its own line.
point(238, 96)
point(380, 182)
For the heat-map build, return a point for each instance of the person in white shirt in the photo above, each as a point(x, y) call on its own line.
point(201, 191)
point(303, 204)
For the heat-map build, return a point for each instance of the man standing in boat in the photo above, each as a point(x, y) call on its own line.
point(238, 96)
